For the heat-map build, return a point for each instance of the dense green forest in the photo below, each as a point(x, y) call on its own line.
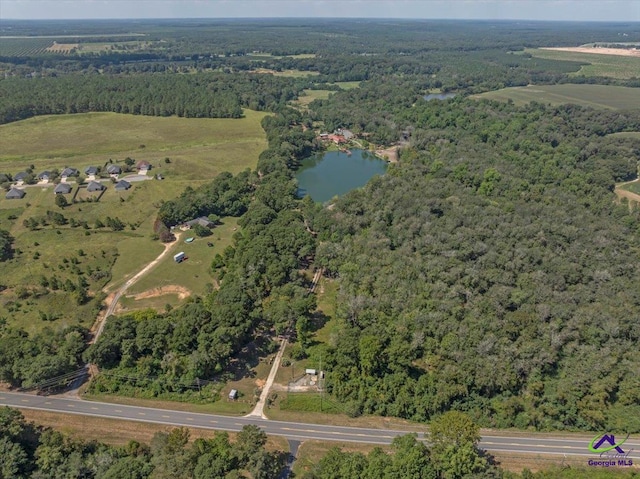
point(204, 96)
point(32, 451)
point(505, 287)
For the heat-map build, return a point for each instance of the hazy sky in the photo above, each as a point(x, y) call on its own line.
point(579, 10)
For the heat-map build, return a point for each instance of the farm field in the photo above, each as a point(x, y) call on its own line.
point(594, 96)
point(199, 149)
point(614, 66)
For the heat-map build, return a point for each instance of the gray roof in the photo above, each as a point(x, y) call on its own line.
point(203, 221)
point(44, 174)
point(95, 186)
point(123, 185)
point(21, 176)
point(91, 170)
point(114, 169)
point(15, 193)
point(69, 172)
point(62, 189)
point(143, 165)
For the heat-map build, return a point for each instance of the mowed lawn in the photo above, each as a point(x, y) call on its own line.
point(595, 96)
point(595, 64)
point(198, 148)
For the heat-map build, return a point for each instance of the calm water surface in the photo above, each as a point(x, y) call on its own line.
point(335, 173)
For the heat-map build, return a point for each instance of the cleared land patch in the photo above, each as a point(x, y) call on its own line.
point(198, 149)
point(594, 64)
point(311, 95)
point(595, 96)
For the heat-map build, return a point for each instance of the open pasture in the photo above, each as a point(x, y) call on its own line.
point(594, 96)
point(198, 148)
point(594, 64)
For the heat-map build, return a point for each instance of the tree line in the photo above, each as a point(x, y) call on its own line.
point(32, 451)
point(208, 95)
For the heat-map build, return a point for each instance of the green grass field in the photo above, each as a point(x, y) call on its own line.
point(192, 274)
point(199, 149)
point(348, 85)
point(614, 66)
point(627, 134)
point(595, 96)
point(310, 95)
point(632, 187)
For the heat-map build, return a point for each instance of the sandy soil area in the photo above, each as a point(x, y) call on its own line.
point(390, 154)
point(598, 51)
point(181, 291)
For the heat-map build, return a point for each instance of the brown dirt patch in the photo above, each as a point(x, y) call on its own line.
point(621, 52)
point(633, 198)
point(181, 291)
point(260, 382)
point(389, 154)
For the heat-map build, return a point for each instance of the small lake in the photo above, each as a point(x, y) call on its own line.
point(439, 96)
point(335, 173)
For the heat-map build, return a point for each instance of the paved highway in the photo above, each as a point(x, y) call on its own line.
point(535, 444)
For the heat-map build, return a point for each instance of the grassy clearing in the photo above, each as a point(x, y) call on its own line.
point(627, 134)
point(223, 406)
point(198, 149)
point(288, 73)
point(193, 273)
point(632, 187)
point(594, 64)
point(348, 85)
point(310, 95)
point(594, 96)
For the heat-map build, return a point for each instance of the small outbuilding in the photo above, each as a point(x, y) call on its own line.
point(311, 372)
point(122, 185)
point(15, 194)
point(233, 394)
point(179, 258)
point(202, 221)
point(62, 189)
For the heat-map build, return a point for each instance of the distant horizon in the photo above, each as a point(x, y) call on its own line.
point(598, 11)
point(408, 19)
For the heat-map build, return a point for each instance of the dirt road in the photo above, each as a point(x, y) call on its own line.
point(118, 294)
